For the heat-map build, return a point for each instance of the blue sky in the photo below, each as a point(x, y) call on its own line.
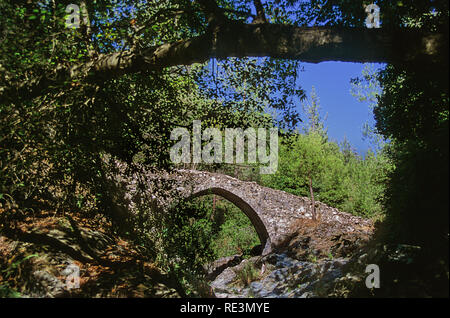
point(346, 114)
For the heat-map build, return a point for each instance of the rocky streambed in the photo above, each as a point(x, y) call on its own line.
point(314, 262)
point(322, 260)
point(279, 276)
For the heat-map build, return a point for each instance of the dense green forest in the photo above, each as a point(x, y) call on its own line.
point(339, 176)
point(117, 83)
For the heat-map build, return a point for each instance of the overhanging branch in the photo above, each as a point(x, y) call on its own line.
point(233, 39)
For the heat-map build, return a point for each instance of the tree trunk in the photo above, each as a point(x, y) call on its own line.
point(313, 202)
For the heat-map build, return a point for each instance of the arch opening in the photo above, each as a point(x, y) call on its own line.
point(251, 214)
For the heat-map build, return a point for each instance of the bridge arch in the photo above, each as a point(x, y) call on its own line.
point(273, 213)
point(245, 207)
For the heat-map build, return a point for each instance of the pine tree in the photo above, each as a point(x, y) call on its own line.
point(315, 122)
point(313, 156)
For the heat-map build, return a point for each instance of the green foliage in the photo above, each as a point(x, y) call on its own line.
point(340, 177)
point(194, 234)
point(8, 292)
point(187, 236)
point(252, 92)
point(236, 235)
point(367, 90)
point(247, 274)
point(345, 181)
point(413, 112)
point(53, 143)
point(314, 122)
point(11, 272)
point(393, 14)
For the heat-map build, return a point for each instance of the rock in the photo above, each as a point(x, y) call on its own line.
point(47, 285)
point(287, 278)
point(221, 281)
point(256, 286)
point(215, 268)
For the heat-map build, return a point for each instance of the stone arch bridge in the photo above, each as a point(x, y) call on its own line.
point(272, 212)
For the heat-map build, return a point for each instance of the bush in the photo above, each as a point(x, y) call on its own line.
point(247, 274)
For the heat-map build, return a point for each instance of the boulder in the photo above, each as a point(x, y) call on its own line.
point(218, 266)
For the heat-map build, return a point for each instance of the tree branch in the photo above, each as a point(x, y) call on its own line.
point(87, 25)
point(234, 39)
point(260, 13)
point(213, 12)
